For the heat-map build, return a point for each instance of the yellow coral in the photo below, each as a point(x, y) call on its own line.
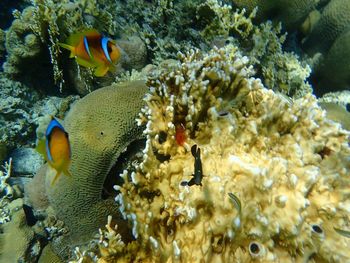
point(286, 163)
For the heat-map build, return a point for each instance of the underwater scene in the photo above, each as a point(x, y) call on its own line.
point(174, 131)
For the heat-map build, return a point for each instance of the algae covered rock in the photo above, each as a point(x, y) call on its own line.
point(17, 116)
point(17, 241)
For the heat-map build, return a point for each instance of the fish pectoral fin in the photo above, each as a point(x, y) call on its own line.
point(68, 47)
point(40, 148)
point(85, 63)
point(100, 71)
point(56, 177)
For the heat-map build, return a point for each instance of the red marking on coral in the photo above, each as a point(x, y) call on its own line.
point(180, 134)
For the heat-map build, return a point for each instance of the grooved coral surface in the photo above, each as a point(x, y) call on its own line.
point(284, 160)
point(336, 67)
point(291, 13)
point(100, 127)
point(334, 21)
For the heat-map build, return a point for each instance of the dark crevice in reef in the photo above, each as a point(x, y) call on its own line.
point(133, 154)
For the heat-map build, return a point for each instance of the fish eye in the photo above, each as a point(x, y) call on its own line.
point(102, 133)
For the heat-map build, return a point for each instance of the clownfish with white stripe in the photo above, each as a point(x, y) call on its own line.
point(56, 148)
point(93, 50)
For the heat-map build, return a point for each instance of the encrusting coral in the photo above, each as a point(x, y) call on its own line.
point(100, 127)
point(274, 176)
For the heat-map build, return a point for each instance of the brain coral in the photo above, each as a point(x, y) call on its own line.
point(334, 21)
point(291, 13)
point(335, 70)
point(100, 127)
point(275, 172)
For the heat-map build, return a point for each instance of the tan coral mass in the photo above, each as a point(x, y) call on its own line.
point(265, 149)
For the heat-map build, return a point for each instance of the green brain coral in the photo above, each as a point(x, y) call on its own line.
point(290, 12)
point(100, 127)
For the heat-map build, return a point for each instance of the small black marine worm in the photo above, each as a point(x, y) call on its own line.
point(198, 171)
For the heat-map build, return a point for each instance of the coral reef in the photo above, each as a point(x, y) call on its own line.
point(2, 45)
point(100, 127)
point(280, 70)
point(6, 192)
point(144, 38)
point(35, 33)
point(158, 23)
point(274, 178)
point(17, 116)
point(22, 46)
point(21, 109)
point(35, 190)
point(341, 97)
point(324, 25)
point(337, 105)
point(337, 113)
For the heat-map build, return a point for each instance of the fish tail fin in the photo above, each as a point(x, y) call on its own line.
point(56, 177)
point(68, 47)
point(101, 70)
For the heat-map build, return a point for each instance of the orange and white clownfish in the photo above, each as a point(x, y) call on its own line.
point(56, 148)
point(93, 50)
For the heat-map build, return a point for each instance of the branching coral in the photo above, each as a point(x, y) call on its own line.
point(6, 192)
point(17, 116)
point(280, 70)
point(284, 161)
point(157, 23)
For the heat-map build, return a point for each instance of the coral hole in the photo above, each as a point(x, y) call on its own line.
point(317, 229)
point(126, 161)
